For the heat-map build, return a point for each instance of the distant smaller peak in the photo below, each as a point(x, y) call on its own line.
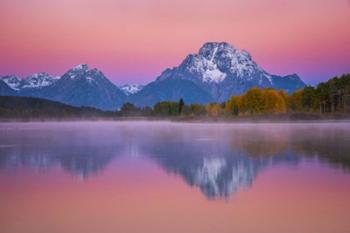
point(130, 89)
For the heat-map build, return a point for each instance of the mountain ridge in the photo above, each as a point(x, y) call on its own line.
point(217, 71)
point(79, 86)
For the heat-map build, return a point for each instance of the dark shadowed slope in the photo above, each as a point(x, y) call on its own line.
point(29, 107)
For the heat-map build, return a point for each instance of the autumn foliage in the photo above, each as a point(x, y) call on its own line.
point(257, 101)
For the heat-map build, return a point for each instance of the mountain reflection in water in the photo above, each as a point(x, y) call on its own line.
point(217, 158)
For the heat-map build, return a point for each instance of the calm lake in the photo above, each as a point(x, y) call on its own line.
point(160, 177)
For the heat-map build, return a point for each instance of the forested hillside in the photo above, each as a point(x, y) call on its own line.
point(13, 107)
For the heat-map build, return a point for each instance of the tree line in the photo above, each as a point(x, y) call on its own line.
point(332, 96)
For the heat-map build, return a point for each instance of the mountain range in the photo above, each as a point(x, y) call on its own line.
point(216, 72)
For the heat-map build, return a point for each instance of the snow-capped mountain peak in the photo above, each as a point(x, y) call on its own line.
point(217, 60)
point(130, 89)
point(224, 70)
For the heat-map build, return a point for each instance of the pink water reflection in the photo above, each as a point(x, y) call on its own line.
point(139, 194)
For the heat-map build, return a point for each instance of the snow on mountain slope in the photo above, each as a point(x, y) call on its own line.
point(216, 61)
point(12, 81)
point(38, 80)
point(227, 59)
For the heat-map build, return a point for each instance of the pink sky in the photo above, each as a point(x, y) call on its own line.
point(135, 40)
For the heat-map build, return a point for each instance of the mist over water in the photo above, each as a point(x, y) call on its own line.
point(105, 176)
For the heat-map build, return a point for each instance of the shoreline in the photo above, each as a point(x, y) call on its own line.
point(268, 118)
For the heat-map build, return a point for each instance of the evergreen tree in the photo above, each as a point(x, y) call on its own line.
point(181, 105)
